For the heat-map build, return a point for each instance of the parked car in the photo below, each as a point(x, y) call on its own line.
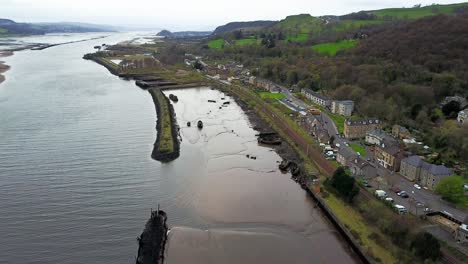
point(389, 199)
point(427, 210)
point(396, 190)
point(404, 195)
point(366, 184)
point(417, 186)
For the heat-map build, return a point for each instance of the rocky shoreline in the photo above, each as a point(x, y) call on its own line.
point(287, 153)
point(152, 242)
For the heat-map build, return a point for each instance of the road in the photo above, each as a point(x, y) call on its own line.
point(425, 197)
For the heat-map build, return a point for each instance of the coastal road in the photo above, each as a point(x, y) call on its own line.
point(426, 197)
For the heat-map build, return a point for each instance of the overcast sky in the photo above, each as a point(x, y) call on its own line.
point(184, 14)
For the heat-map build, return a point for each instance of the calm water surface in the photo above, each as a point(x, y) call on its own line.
point(77, 182)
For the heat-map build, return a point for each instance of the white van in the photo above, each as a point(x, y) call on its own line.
point(401, 209)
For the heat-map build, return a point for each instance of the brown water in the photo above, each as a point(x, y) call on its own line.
point(252, 212)
point(77, 181)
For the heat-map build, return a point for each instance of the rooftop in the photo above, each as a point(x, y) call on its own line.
point(347, 153)
point(362, 122)
point(315, 94)
point(431, 168)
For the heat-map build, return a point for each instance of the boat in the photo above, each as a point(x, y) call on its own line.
point(189, 124)
point(200, 124)
point(269, 141)
point(211, 101)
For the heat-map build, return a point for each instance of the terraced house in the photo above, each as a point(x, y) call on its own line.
point(389, 154)
point(417, 170)
point(355, 129)
point(316, 97)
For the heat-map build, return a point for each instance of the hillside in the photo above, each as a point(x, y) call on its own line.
point(245, 26)
point(183, 34)
point(10, 27)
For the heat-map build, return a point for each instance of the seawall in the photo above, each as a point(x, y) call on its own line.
point(301, 179)
point(156, 154)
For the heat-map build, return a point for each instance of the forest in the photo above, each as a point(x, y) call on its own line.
point(399, 72)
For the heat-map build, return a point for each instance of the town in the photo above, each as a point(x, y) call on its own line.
point(374, 152)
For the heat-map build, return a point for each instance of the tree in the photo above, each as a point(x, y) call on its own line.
point(344, 184)
point(426, 246)
point(451, 109)
point(451, 188)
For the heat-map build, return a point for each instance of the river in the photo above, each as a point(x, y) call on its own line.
point(77, 182)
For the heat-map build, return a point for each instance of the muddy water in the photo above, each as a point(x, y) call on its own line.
point(251, 212)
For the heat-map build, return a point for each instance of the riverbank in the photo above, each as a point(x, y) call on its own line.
point(307, 173)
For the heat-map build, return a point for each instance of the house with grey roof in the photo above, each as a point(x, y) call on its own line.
point(377, 136)
point(354, 129)
point(361, 168)
point(344, 155)
point(316, 97)
point(389, 154)
point(417, 170)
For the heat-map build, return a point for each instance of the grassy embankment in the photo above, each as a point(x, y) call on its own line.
point(265, 95)
point(166, 142)
point(216, 44)
point(247, 41)
point(375, 243)
point(358, 148)
point(415, 13)
point(331, 48)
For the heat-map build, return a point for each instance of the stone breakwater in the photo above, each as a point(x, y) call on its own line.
point(164, 124)
point(157, 153)
point(152, 242)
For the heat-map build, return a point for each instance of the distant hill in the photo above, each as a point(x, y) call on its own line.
point(10, 27)
point(245, 26)
point(183, 34)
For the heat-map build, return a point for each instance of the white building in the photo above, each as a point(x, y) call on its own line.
point(377, 136)
point(344, 108)
point(462, 116)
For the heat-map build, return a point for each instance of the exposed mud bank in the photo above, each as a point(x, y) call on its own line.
point(286, 152)
point(152, 241)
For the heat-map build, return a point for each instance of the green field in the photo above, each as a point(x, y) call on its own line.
point(216, 44)
point(301, 23)
point(414, 13)
point(247, 41)
point(332, 48)
point(344, 25)
point(301, 37)
point(358, 148)
point(265, 95)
